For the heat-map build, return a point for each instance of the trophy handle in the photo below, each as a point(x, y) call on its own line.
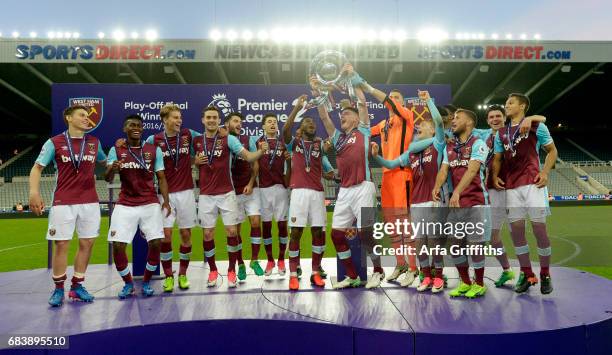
point(351, 93)
point(324, 98)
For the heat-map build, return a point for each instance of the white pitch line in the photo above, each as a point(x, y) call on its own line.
point(21, 246)
point(577, 250)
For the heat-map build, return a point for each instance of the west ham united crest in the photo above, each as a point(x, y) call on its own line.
point(351, 233)
point(468, 152)
point(95, 109)
point(147, 156)
point(419, 109)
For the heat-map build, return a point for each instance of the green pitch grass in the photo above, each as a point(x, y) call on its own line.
point(580, 237)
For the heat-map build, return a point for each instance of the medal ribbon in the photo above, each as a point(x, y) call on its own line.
point(139, 158)
point(307, 154)
point(273, 155)
point(342, 140)
point(76, 163)
point(459, 146)
point(515, 135)
point(491, 153)
point(175, 158)
point(210, 155)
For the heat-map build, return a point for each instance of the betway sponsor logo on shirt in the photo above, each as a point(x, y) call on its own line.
point(134, 165)
point(509, 52)
point(462, 162)
point(416, 163)
point(132, 51)
point(87, 157)
point(314, 153)
point(183, 150)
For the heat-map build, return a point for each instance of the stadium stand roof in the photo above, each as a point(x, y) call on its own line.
point(565, 82)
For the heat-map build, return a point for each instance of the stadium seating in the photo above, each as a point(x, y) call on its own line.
point(23, 165)
point(604, 178)
point(603, 174)
point(595, 142)
point(330, 188)
point(8, 147)
point(18, 191)
point(562, 181)
point(569, 152)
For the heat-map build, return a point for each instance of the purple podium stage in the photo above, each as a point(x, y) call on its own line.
point(262, 317)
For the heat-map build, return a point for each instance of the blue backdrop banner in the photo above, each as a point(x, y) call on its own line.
point(108, 104)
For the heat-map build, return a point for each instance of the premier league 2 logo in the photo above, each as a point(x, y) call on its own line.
point(222, 103)
point(95, 109)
